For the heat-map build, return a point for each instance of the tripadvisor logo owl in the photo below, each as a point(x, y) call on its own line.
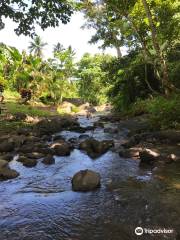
point(139, 231)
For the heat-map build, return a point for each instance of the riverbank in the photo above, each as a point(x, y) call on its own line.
point(27, 129)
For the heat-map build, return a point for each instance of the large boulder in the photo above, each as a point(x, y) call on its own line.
point(6, 147)
point(95, 148)
point(5, 172)
point(61, 148)
point(86, 180)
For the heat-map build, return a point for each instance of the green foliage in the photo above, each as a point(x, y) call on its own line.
point(131, 79)
point(107, 32)
point(91, 74)
point(28, 13)
point(11, 95)
point(163, 113)
point(174, 65)
point(52, 78)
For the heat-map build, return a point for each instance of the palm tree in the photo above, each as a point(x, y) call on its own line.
point(36, 46)
point(58, 48)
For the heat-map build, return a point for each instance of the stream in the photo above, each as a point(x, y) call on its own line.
point(40, 205)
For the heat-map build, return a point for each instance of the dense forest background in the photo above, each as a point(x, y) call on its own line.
point(145, 80)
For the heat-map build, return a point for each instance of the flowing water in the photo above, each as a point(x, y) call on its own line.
point(40, 205)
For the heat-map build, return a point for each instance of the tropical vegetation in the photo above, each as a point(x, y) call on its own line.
point(144, 80)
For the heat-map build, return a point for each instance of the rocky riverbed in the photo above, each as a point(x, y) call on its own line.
point(134, 175)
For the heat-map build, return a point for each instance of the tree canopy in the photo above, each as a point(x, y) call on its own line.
point(45, 13)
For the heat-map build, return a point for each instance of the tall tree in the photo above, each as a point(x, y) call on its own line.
point(149, 30)
point(165, 79)
point(36, 46)
point(107, 32)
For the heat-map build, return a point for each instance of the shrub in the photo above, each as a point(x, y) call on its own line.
point(165, 112)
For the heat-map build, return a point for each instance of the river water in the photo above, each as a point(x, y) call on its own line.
point(40, 205)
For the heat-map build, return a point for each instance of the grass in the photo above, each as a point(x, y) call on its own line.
point(7, 127)
point(14, 108)
point(12, 103)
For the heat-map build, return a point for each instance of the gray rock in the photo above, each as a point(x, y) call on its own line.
point(58, 137)
point(17, 140)
point(26, 149)
point(8, 157)
point(3, 163)
point(5, 172)
point(19, 116)
point(148, 156)
point(6, 147)
point(95, 148)
point(8, 173)
point(29, 162)
point(55, 124)
point(48, 160)
point(61, 148)
point(86, 180)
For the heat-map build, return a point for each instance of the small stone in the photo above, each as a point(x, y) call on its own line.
point(29, 162)
point(48, 160)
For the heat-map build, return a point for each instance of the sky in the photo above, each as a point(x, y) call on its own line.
point(69, 34)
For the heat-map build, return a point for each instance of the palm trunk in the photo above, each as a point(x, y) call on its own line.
point(165, 79)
